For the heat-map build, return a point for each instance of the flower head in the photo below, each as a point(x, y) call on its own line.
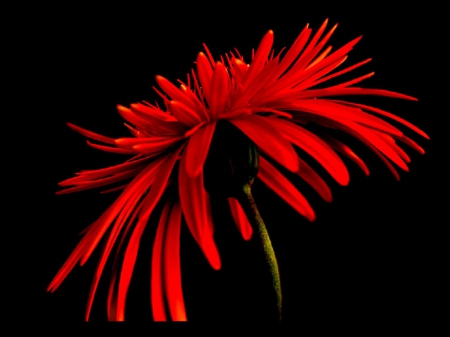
point(271, 106)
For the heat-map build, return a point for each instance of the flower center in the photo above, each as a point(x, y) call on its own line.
point(232, 161)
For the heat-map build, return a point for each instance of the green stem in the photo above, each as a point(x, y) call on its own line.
point(249, 206)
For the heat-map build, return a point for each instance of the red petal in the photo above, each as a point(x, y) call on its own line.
point(176, 94)
point(269, 140)
point(294, 51)
point(184, 114)
point(91, 134)
point(197, 212)
point(344, 149)
point(351, 91)
point(99, 227)
point(387, 114)
point(197, 149)
point(338, 112)
point(314, 180)
point(172, 269)
point(270, 176)
point(205, 72)
point(150, 201)
point(314, 146)
point(240, 218)
point(260, 58)
point(157, 292)
point(110, 149)
point(220, 86)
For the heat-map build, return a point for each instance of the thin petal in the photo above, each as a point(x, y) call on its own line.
point(315, 147)
point(197, 149)
point(347, 151)
point(172, 268)
point(197, 212)
point(205, 72)
point(269, 139)
point(184, 114)
point(220, 86)
point(150, 201)
point(270, 176)
point(314, 180)
point(260, 58)
point(387, 114)
point(156, 281)
point(240, 219)
point(90, 134)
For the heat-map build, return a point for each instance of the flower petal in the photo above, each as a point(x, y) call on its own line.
point(269, 140)
point(205, 72)
point(91, 134)
point(184, 114)
point(172, 269)
point(315, 147)
point(196, 208)
point(344, 149)
point(220, 86)
point(197, 149)
point(150, 201)
point(314, 180)
point(260, 58)
point(156, 281)
point(270, 176)
point(240, 218)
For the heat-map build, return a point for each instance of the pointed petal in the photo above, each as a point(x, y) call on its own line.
point(269, 140)
point(196, 208)
point(197, 149)
point(315, 93)
point(270, 176)
point(172, 268)
point(90, 134)
point(260, 58)
point(387, 114)
point(205, 72)
point(345, 150)
point(314, 180)
point(156, 281)
point(220, 86)
point(184, 114)
point(240, 218)
point(176, 94)
point(110, 149)
point(150, 201)
point(315, 147)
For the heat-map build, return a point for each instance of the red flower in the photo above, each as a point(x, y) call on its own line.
point(273, 101)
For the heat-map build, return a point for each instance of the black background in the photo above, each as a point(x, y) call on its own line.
point(373, 255)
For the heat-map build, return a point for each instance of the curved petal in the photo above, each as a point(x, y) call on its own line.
point(172, 269)
point(240, 218)
point(150, 201)
point(184, 114)
point(269, 140)
point(315, 147)
point(196, 208)
point(345, 150)
point(156, 281)
point(197, 149)
point(260, 58)
point(314, 180)
point(220, 86)
point(90, 134)
point(270, 176)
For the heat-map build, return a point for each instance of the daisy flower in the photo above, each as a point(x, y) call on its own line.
point(230, 122)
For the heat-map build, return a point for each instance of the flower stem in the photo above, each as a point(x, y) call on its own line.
point(249, 206)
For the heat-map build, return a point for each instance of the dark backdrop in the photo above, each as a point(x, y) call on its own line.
point(373, 255)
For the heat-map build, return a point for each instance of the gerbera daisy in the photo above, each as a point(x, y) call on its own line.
point(245, 121)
